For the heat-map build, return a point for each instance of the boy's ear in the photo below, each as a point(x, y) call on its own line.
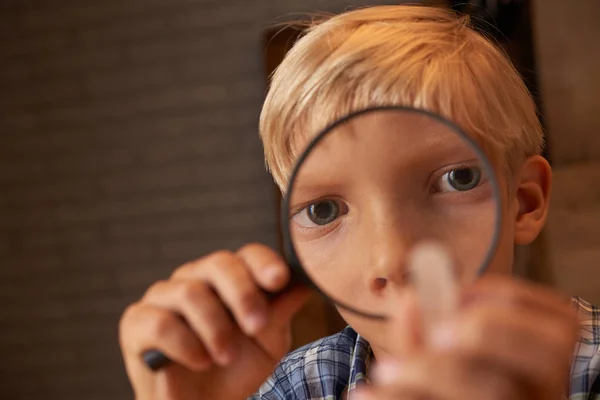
point(533, 186)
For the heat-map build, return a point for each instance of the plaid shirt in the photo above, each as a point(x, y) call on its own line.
point(330, 368)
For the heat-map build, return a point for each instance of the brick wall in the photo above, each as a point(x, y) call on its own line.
point(128, 145)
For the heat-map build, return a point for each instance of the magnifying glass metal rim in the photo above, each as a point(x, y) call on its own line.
point(288, 246)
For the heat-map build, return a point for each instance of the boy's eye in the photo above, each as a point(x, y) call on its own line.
point(320, 213)
point(459, 179)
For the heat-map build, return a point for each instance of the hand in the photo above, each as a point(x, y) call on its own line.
point(232, 337)
point(510, 340)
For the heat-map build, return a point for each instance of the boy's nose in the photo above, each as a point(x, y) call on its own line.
point(388, 269)
point(380, 284)
point(389, 229)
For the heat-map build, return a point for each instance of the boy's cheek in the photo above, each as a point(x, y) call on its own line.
point(504, 257)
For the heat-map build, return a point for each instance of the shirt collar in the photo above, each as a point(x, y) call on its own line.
point(360, 362)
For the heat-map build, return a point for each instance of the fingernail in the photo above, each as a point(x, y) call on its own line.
point(255, 322)
point(274, 275)
point(443, 337)
point(226, 356)
point(386, 372)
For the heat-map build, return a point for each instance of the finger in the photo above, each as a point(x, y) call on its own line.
point(203, 312)
point(228, 275)
point(516, 292)
point(285, 307)
point(406, 324)
point(456, 378)
point(533, 346)
point(144, 327)
point(267, 267)
point(275, 340)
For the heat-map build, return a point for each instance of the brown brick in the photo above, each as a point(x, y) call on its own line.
point(121, 30)
point(176, 126)
point(38, 43)
point(180, 224)
point(44, 93)
point(124, 80)
point(140, 205)
point(27, 196)
point(152, 101)
point(129, 145)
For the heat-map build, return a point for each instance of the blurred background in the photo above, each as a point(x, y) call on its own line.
point(129, 145)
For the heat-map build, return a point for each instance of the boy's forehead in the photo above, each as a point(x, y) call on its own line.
point(401, 129)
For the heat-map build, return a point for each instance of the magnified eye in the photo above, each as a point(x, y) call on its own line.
point(459, 179)
point(319, 213)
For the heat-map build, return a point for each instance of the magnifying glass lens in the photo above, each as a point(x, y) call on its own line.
point(374, 185)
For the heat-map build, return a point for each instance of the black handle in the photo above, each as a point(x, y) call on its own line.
point(155, 360)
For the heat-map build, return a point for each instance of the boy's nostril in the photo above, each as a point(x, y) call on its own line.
point(379, 284)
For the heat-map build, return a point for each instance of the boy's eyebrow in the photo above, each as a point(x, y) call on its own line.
point(314, 181)
point(310, 192)
point(446, 146)
point(432, 144)
point(436, 147)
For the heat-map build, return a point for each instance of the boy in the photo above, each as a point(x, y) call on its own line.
point(511, 339)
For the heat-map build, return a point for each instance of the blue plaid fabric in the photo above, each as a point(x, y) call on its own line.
point(332, 367)
point(585, 370)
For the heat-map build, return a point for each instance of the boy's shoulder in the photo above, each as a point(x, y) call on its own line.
point(590, 321)
point(585, 369)
point(314, 371)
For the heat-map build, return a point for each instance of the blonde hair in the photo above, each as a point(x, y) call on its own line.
point(418, 56)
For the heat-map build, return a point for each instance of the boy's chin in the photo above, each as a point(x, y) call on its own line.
point(398, 334)
point(392, 343)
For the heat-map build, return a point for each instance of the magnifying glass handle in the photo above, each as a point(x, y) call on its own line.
point(156, 360)
point(437, 290)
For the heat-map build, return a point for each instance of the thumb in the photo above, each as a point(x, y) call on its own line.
point(436, 287)
point(285, 306)
point(276, 339)
point(406, 326)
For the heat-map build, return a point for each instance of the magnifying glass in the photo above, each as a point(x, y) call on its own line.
point(368, 191)
point(374, 185)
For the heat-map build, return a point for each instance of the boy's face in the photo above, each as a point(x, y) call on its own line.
point(376, 187)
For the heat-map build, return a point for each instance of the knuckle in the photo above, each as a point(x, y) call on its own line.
point(124, 322)
point(155, 287)
point(220, 257)
point(127, 313)
point(161, 324)
point(250, 247)
point(186, 269)
point(190, 291)
point(261, 255)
